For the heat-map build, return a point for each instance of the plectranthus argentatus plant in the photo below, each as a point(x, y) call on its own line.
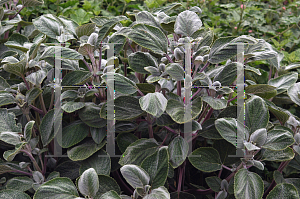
point(250, 152)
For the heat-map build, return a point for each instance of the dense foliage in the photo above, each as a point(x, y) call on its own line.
point(249, 152)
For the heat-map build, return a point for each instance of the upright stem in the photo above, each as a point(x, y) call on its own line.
point(196, 93)
point(179, 88)
point(87, 65)
point(100, 56)
point(169, 58)
point(42, 104)
point(22, 172)
point(150, 126)
point(204, 67)
point(180, 179)
point(18, 12)
point(32, 159)
point(26, 83)
point(270, 72)
point(208, 115)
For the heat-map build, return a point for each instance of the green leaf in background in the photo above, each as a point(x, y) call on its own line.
point(10, 154)
point(28, 130)
point(226, 47)
point(187, 22)
point(3, 83)
point(138, 60)
point(215, 103)
point(136, 152)
point(18, 68)
point(6, 99)
point(284, 82)
point(70, 107)
point(47, 127)
point(90, 115)
point(157, 166)
point(13, 194)
point(17, 41)
point(86, 29)
point(248, 185)
point(206, 159)
point(57, 188)
point(84, 150)
point(20, 183)
point(32, 94)
point(146, 88)
point(278, 140)
point(88, 183)
point(8, 123)
point(161, 193)
point(107, 183)
point(177, 111)
point(214, 183)
point(121, 106)
point(72, 134)
point(100, 161)
point(29, 3)
point(48, 25)
point(119, 82)
point(278, 156)
point(283, 190)
point(293, 93)
point(228, 74)
point(108, 27)
point(178, 150)
point(124, 140)
point(232, 130)
point(256, 113)
point(175, 71)
point(262, 90)
point(80, 16)
point(168, 23)
point(110, 195)
point(154, 103)
point(135, 175)
point(37, 77)
point(66, 53)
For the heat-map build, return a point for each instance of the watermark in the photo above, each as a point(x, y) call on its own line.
point(188, 85)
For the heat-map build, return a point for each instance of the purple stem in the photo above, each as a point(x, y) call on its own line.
point(171, 130)
point(140, 92)
point(23, 172)
point(25, 81)
point(32, 159)
point(87, 65)
point(204, 67)
point(169, 58)
point(270, 72)
point(130, 46)
point(199, 191)
point(164, 140)
point(100, 56)
point(220, 172)
point(198, 91)
point(179, 88)
point(45, 164)
point(232, 99)
point(208, 115)
point(37, 109)
point(180, 179)
point(226, 167)
point(123, 185)
point(18, 12)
